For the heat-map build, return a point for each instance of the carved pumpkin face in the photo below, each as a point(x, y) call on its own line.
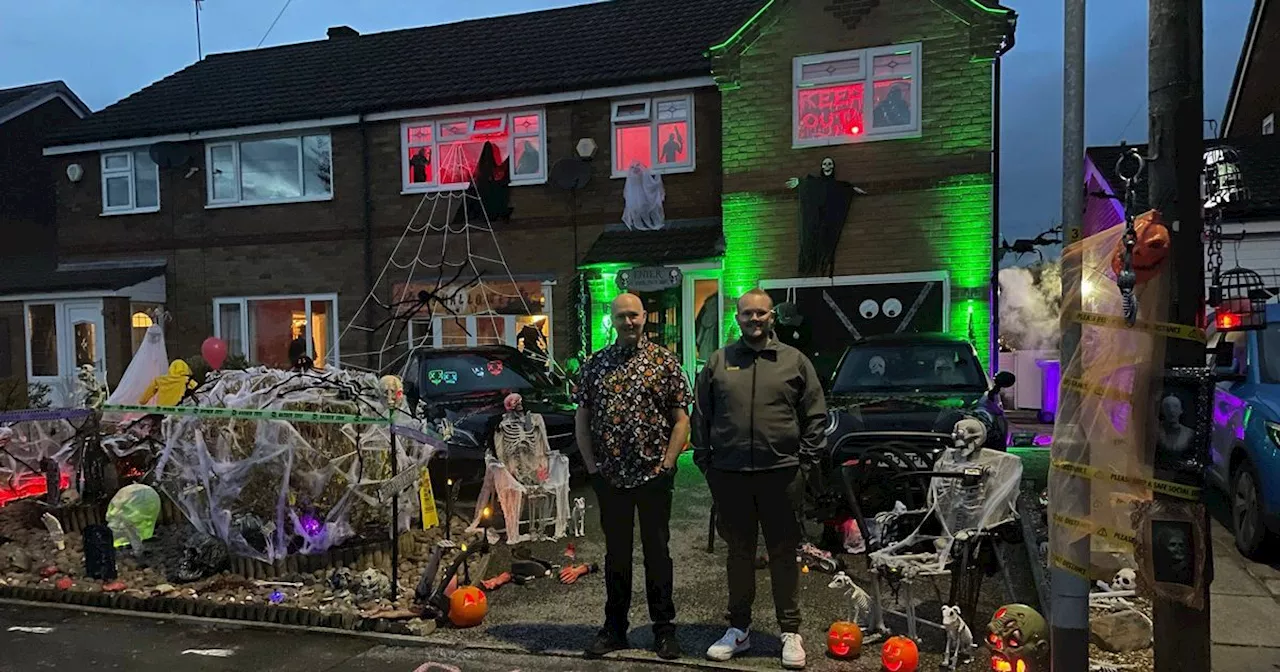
point(468, 606)
point(1150, 249)
point(900, 655)
point(844, 640)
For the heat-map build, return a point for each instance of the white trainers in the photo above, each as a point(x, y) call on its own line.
point(792, 651)
point(735, 641)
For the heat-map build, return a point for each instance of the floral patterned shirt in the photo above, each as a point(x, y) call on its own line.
point(630, 393)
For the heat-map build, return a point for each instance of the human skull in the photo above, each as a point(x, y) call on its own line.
point(968, 435)
point(828, 167)
point(1126, 579)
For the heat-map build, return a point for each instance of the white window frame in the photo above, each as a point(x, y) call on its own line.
point(234, 144)
point(508, 127)
point(866, 75)
point(131, 208)
point(242, 302)
point(650, 118)
point(419, 339)
point(1269, 124)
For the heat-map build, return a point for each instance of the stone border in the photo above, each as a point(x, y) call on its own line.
point(1032, 545)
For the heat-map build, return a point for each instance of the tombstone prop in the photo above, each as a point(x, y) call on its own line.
point(824, 207)
point(99, 553)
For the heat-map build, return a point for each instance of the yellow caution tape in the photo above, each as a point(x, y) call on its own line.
point(1170, 488)
point(1084, 388)
point(1166, 329)
point(1065, 564)
point(249, 414)
point(1102, 532)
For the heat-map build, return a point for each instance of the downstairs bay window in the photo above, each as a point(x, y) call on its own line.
point(273, 330)
point(445, 153)
point(499, 312)
point(656, 133)
point(856, 96)
point(269, 170)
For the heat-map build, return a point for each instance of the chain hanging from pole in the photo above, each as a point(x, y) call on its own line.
point(1126, 279)
point(1223, 184)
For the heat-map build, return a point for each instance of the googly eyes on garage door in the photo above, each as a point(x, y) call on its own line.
point(892, 308)
point(869, 309)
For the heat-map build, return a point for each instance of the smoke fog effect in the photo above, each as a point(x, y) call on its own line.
point(1030, 299)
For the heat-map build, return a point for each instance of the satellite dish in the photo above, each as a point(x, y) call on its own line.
point(169, 154)
point(571, 173)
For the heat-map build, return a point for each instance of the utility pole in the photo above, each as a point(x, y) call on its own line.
point(1175, 85)
point(1069, 606)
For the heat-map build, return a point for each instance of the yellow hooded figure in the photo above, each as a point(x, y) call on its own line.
point(169, 390)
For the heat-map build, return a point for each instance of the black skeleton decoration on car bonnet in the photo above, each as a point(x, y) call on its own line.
point(824, 207)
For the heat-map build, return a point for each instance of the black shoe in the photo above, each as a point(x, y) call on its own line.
point(666, 646)
point(606, 642)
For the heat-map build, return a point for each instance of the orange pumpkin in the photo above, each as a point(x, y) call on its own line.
point(468, 606)
point(1150, 248)
point(900, 655)
point(844, 640)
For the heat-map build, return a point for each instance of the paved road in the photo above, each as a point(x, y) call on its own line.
point(53, 639)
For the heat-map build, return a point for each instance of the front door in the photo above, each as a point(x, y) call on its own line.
point(63, 336)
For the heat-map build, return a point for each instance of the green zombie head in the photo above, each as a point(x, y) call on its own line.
point(1018, 638)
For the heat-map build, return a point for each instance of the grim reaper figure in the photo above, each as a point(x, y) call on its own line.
point(824, 207)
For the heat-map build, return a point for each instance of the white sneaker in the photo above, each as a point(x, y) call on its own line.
point(735, 641)
point(792, 651)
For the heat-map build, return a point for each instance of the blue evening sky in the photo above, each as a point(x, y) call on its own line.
point(107, 50)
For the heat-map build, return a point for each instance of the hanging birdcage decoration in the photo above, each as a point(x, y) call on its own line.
point(1243, 301)
point(1223, 181)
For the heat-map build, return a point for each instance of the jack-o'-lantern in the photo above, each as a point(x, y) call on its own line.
point(1150, 249)
point(468, 606)
point(844, 640)
point(900, 655)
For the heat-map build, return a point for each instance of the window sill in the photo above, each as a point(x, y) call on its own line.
point(436, 189)
point(281, 201)
point(136, 211)
point(657, 171)
point(869, 137)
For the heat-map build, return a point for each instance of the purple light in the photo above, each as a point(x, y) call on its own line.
point(1043, 440)
point(1050, 379)
point(276, 597)
point(311, 526)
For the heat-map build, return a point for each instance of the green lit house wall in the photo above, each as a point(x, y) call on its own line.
point(929, 199)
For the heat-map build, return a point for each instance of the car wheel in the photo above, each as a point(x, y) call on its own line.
point(1246, 511)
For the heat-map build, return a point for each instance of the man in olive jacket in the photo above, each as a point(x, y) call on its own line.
point(758, 417)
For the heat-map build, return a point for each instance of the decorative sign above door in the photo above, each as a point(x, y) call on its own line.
point(649, 278)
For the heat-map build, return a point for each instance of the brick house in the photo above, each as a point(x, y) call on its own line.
point(275, 184)
point(1254, 98)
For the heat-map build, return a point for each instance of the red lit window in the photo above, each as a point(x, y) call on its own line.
point(446, 153)
point(855, 96)
point(655, 133)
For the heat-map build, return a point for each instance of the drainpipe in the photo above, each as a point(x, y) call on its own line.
point(367, 187)
point(993, 343)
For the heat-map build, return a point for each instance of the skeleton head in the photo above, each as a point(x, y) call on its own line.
point(968, 435)
point(514, 403)
point(1126, 579)
point(828, 166)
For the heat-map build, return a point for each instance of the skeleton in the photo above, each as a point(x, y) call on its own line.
point(861, 602)
point(959, 638)
point(55, 531)
point(1112, 596)
point(578, 515)
point(373, 584)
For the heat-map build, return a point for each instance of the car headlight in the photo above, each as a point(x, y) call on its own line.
point(1273, 433)
point(833, 421)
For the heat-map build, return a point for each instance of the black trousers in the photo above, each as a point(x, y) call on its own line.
point(748, 502)
point(619, 507)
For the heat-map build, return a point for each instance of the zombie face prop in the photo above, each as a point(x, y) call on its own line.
point(828, 167)
point(393, 389)
point(1018, 638)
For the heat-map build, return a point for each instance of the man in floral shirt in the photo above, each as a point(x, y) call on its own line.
point(632, 423)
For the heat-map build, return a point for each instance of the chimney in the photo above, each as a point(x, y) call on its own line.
point(342, 31)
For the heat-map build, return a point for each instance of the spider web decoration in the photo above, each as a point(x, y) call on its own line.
point(442, 262)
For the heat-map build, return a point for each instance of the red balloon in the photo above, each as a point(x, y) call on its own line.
point(214, 351)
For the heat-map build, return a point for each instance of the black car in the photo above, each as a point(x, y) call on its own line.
point(461, 391)
point(892, 404)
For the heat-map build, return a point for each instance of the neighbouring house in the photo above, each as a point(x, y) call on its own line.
point(273, 185)
point(1254, 98)
point(29, 328)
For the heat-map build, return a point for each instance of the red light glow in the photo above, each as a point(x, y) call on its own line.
point(999, 664)
point(29, 486)
point(1000, 613)
point(855, 130)
point(1227, 321)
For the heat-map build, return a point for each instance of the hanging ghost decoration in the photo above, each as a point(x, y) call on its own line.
point(643, 195)
point(488, 197)
point(824, 207)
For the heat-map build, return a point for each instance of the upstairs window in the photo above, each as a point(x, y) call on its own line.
point(856, 96)
point(1269, 124)
point(444, 153)
point(130, 182)
point(656, 133)
point(270, 170)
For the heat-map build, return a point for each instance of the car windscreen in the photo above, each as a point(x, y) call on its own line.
point(464, 373)
point(909, 367)
point(1269, 349)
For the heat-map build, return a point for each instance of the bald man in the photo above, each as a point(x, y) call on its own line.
point(632, 423)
